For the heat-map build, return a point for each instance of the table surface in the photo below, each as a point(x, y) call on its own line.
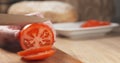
point(100, 50)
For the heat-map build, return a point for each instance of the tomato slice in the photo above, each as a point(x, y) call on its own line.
point(36, 35)
point(91, 23)
point(34, 50)
point(94, 23)
point(40, 55)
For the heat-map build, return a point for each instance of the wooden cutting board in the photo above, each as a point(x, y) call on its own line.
point(59, 57)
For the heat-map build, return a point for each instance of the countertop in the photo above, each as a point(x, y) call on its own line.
point(99, 50)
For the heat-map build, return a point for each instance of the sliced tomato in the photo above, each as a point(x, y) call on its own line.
point(40, 55)
point(36, 35)
point(94, 23)
point(34, 50)
point(91, 23)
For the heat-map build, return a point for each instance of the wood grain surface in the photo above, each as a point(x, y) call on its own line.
point(59, 57)
point(98, 50)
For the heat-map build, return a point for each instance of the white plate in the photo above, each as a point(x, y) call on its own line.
point(74, 31)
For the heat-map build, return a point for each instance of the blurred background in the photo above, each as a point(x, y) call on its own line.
point(86, 9)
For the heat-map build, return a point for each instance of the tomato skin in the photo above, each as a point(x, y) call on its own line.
point(90, 23)
point(34, 50)
point(40, 56)
point(94, 23)
point(36, 40)
point(32, 29)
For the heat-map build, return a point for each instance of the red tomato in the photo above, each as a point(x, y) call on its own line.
point(34, 50)
point(91, 23)
point(36, 35)
point(94, 23)
point(40, 55)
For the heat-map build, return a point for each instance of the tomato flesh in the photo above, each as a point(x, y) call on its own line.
point(94, 23)
point(40, 56)
point(36, 40)
point(36, 35)
point(34, 50)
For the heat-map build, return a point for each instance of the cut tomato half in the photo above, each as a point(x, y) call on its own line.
point(36, 35)
point(34, 50)
point(40, 55)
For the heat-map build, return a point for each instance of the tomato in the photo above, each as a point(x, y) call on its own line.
point(91, 23)
point(40, 55)
point(94, 23)
point(36, 35)
point(34, 50)
point(36, 40)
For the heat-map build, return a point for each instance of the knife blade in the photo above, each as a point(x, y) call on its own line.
point(9, 19)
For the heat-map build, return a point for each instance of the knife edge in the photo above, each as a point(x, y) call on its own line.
point(9, 19)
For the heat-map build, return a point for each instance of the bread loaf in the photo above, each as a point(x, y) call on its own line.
point(55, 10)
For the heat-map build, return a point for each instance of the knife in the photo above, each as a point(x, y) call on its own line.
point(9, 19)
